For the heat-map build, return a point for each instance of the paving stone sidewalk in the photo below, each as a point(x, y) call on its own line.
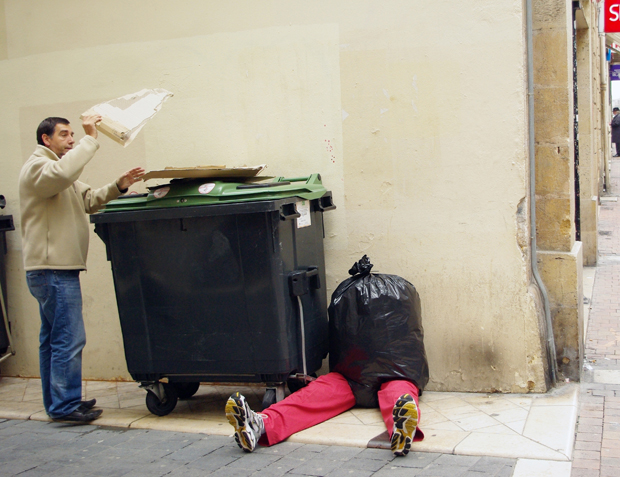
point(35, 448)
point(597, 443)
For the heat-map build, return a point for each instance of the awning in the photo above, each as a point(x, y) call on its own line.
point(612, 41)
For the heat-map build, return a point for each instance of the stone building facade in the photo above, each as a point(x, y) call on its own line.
point(415, 114)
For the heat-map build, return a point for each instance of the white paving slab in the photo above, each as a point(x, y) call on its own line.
point(541, 468)
point(606, 376)
point(553, 427)
point(505, 445)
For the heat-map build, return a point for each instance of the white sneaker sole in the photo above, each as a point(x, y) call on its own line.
point(236, 413)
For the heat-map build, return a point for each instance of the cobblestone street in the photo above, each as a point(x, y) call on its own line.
point(34, 448)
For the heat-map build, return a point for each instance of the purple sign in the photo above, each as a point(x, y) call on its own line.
point(614, 72)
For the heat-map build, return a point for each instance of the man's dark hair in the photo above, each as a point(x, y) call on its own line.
point(47, 126)
point(615, 109)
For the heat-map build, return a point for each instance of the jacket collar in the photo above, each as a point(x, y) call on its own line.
point(43, 151)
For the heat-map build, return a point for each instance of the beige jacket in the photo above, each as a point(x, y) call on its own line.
point(53, 204)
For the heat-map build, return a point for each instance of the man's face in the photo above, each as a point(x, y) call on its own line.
point(616, 112)
point(61, 141)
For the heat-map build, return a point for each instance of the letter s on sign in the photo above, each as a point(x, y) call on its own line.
point(615, 12)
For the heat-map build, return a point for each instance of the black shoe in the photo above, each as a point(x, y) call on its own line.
point(81, 416)
point(86, 405)
point(615, 155)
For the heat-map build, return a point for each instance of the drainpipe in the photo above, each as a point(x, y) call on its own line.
point(604, 105)
point(605, 121)
point(551, 356)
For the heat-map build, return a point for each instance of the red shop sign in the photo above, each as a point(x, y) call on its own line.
point(612, 16)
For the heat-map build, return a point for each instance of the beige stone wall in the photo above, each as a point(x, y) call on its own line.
point(589, 129)
point(424, 110)
point(599, 145)
point(561, 257)
point(553, 100)
point(564, 274)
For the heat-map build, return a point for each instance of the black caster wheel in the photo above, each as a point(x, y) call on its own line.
point(165, 406)
point(269, 398)
point(186, 390)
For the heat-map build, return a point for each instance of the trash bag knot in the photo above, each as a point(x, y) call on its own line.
point(362, 267)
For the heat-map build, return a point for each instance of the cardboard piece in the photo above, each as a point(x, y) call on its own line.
point(206, 171)
point(124, 117)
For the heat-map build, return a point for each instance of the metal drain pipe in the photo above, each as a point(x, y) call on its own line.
point(605, 105)
point(551, 356)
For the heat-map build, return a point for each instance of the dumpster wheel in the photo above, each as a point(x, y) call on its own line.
point(274, 392)
point(186, 390)
point(269, 398)
point(164, 406)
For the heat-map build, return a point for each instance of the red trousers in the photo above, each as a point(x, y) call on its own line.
point(324, 398)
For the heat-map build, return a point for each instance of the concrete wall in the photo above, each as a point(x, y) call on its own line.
point(413, 112)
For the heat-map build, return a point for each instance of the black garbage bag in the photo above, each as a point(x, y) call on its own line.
point(375, 332)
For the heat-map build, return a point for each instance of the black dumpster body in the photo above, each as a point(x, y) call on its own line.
point(223, 292)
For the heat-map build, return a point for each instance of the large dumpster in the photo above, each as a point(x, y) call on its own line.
point(219, 282)
point(6, 224)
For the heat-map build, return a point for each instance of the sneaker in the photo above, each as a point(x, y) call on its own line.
point(405, 415)
point(248, 425)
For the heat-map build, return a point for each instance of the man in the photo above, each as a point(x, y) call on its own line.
point(615, 131)
point(55, 236)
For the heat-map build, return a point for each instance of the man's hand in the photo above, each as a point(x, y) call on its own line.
point(89, 123)
point(129, 178)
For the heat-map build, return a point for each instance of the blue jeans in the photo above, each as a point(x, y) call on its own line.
point(62, 338)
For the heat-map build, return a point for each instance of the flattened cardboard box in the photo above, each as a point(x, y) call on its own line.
point(243, 172)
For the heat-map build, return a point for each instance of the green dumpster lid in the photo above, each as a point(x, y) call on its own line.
point(193, 192)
